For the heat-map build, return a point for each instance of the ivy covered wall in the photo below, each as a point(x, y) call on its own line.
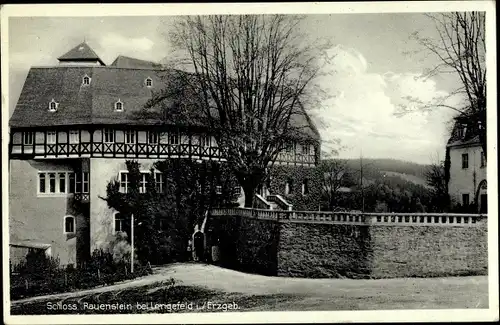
point(296, 176)
point(246, 244)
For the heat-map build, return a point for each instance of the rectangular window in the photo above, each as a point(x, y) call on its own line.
point(152, 137)
point(483, 160)
point(173, 138)
point(109, 135)
point(289, 186)
point(74, 136)
point(71, 183)
point(218, 189)
point(41, 182)
point(130, 136)
point(78, 182)
point(62, 182)
point(119, 223)
point(306, 149)
point(69, 224)
point(85, 182)
point(51, 137)
point(465, 199)
point(289, 148)
point(305, 187)
point(124, 183)
point(52, 182)
point(465, 160)
point(143, 183)
point(28, 138)
point(159, 182)
point(205, 141)
point(462, 129)
point(55, 182)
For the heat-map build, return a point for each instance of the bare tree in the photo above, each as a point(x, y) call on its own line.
point(250, 78)
point(335, 175)
point(460, 47)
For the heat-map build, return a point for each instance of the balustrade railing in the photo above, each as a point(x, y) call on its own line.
point(121, 149)
point(388, 219)
point(100, 149)
point(82, 197)
point(280, 201)
point(287, 157)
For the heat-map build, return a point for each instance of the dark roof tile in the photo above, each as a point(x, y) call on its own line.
point(131, 63)
point(95, 103)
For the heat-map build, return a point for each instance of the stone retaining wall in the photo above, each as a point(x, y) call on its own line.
point(351, 245)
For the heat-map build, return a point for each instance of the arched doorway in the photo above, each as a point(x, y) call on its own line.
point(199, 245)
point(482, 197)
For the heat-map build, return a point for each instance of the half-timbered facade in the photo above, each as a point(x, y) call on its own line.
point(74, 127)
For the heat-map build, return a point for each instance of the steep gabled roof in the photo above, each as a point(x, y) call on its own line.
point(131, 63)
point(83, 104)
point(81, 52)
point(94, 103)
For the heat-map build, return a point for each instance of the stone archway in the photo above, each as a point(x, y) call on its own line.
point(481, 197)
point(199, 245)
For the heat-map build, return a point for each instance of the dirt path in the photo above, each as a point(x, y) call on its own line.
point(423, 293)
point(469, 292)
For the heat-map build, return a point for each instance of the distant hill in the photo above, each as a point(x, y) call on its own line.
point(377, 168)
point(408, 177)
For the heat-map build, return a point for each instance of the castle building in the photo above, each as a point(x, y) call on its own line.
point(74, 127)
point(467, 183)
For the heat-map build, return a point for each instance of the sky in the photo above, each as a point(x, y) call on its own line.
point(367, 71)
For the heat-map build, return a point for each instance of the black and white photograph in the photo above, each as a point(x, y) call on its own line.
point(215, 163)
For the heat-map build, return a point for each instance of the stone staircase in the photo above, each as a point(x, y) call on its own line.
point(272, 202)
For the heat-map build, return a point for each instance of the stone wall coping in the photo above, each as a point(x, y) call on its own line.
point(359, 218)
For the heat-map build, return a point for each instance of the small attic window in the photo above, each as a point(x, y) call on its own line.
point(119, 106)
point(149, 82)
point(462, 129)
point(53, 105)
point(86, 80)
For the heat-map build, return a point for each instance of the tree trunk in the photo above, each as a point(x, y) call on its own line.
point(250, 181)
point(249, 189)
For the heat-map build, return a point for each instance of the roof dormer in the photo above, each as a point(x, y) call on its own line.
point(53, 105)
point(86, 80)
point(82, 54)
point(119, 106)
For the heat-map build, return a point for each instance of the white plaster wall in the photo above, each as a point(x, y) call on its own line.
point(102, 171)
point(462, 180)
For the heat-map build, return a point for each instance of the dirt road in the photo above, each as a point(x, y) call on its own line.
point(312, 294)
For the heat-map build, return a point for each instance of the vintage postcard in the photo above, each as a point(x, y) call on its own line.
point(249, 163)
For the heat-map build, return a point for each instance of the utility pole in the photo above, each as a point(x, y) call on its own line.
point(132, 243)
point(361, 181)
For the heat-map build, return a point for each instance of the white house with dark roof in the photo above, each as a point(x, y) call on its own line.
point(74, 127)
point(467, 181)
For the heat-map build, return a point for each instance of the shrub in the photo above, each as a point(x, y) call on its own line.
point(121, 249)
point(37, 264)
point(43, 275)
